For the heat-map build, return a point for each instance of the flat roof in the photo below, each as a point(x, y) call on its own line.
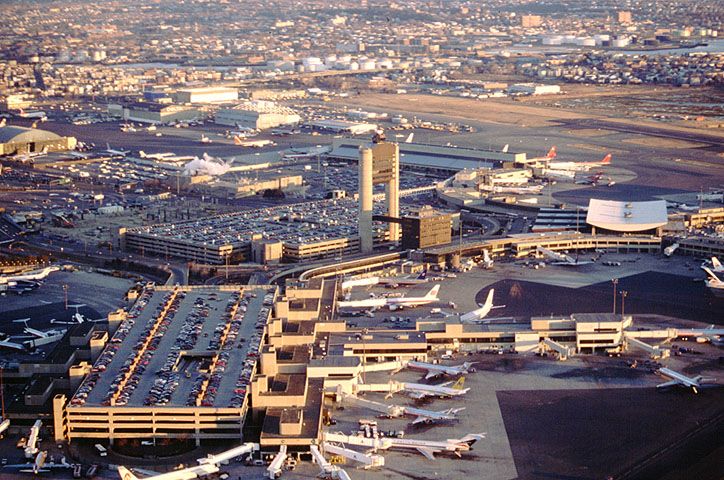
point(209, 333)
point(626, 216)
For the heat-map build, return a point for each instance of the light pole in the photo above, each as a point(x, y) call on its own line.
point(615, 283)
point(364, 353)
point(65, 295)
point(624, 294)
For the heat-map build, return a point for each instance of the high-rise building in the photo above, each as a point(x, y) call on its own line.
point(426, 229)
point(379, 163)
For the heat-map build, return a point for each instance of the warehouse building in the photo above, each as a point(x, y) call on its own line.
point(21, 141)
point(147, 112)
point(207, 95)
point(257, 115)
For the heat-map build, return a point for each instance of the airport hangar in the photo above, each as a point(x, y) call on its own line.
point(431, 158)
point(21, 140)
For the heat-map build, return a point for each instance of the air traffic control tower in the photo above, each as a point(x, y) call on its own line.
point(379, 162)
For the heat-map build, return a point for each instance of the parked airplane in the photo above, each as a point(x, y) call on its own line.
point(31, 446)
point(419, 391)
point(679, 379)
point(157, 156)
point(394, 303)
point(714, 283)
point(429, 448)
point(430, 416)
point(111, 151)
point(483, 311)
point(716, 265)
point(515, 190)
point(40, 338)
point(28, 157)
point(435, 370)
point(487, 262)
point(548, 156)
point(252, 143)
point(206, 466)
point(29, 276)
point(712, 335)
point(205, 139)
point(39, 465)
point(578, 166)
point(561, 258)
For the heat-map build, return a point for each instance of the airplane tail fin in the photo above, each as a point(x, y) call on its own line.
point(422, 275)
point(505, 148)
point(126, 474)
point(409, 138)
point(489, 300)
point(606, 160)
point(141, 153)
point(472, 438)
point(237, 140)
point(433, 292)
point(551, 153)
point(459, 384)
point(715, 263)
point(711, 274)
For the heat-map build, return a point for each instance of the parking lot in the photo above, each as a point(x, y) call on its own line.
point(181, 347)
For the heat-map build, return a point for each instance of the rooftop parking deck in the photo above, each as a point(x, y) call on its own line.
point(182, 347)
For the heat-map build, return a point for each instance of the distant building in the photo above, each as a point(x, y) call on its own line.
point(257, 114)
point(341, 126)
point(626, 217)
point(20, 140)
point(207, 95)
point(533, 89)
point(531, 21)
point(624, 16)
point(147, 112)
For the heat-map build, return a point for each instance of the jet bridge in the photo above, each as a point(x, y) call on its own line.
point(326, 468)
point(367, 460)
point(563, 351)
point(275, 467)
point(653, 350)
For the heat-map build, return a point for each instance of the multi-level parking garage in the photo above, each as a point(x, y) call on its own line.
point(178, 366)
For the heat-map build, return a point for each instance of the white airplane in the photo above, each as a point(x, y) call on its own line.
point(156, 156)
point(29, 276)
point(430, 448)
point(561, 258)
point(394, 303)
point(111, 151)
point(4, 425)
point(419, 391)
point(31, 446)
point(679, 379)
point(436, 370)
point(42, 337)
point(716, 265)
point(548, 156)
point(430, 416)
point(483, 311)
point(206, 466)
point(14, 345)
point(515, 190)
point(712, 335)
point(577, 166)
point(28, 157)
point(40, 465)
point(252, 143)
point(82, 156)
point(714, 283)
point(487, 262)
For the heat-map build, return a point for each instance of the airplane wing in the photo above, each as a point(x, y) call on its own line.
point(432, 374)
point(417, 395)
point(421, 419)
point(428, 452)
point(672, 383)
